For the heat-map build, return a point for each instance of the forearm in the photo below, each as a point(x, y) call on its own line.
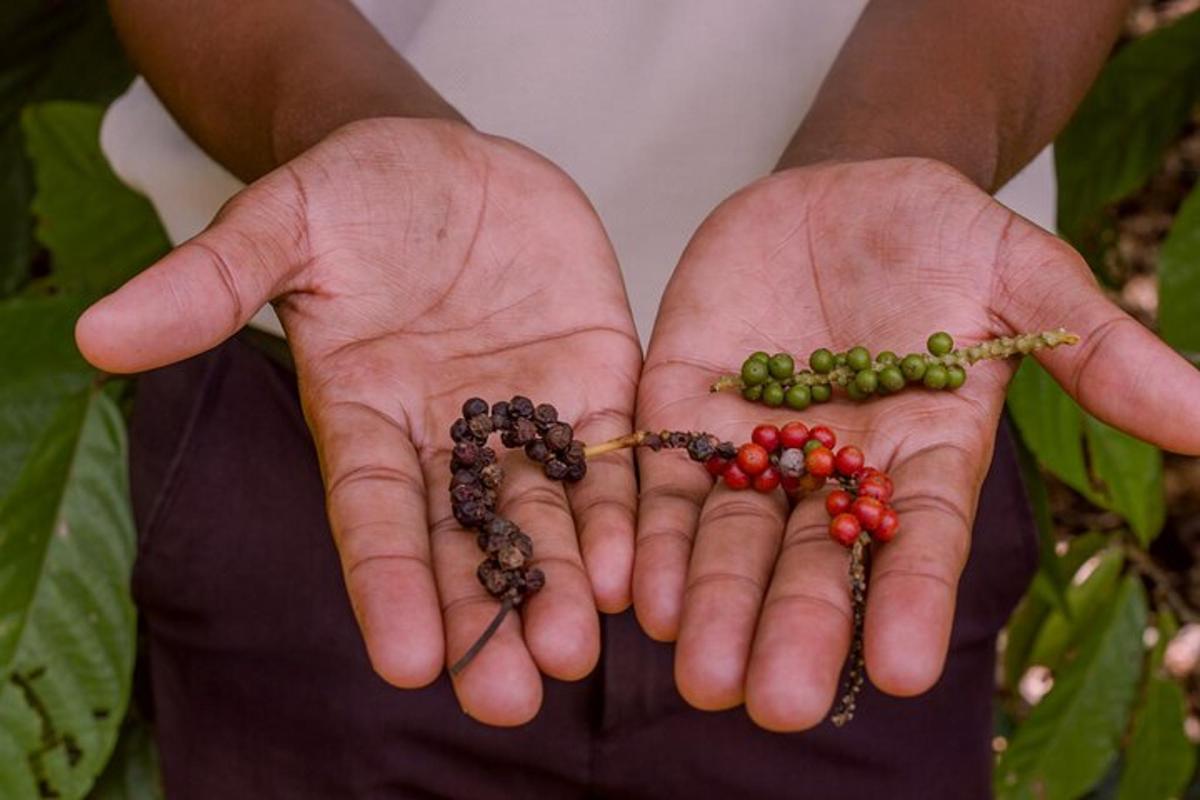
point(256, 83)
point(980, 84)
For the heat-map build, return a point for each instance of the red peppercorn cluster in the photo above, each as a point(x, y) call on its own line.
point(801, 460)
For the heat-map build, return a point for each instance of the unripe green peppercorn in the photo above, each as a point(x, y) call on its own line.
point(839, 360)
point(956, 376)
point(936, 376)
point(858, 358)
point(891, 379)
point(867, 380)
point(798, 397)
point(781, 366)
point(887, 358)
point(821, 361)
point(855, 393)
point(772, 394)
point(821, 392)
point(753, 393)
point(754, 372)
point(759, 356)
point(913, 367)
point(810, 445)
point(940, 343)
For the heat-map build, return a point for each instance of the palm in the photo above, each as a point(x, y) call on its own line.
point(414, 265)
point(880, 254)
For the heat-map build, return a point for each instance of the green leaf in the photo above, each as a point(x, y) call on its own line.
point(99, 231)
point(1131, 476)
point(66, 620)
point(1051, 425)
point(1060, 631)
point(1159, 759)
point(1117, 137)
point(16, 226)
point(133, 772)
point(1179, 278)
point(1071, 736)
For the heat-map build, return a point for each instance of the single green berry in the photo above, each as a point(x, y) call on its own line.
point(798, 397)
point(839, 360)
point(867, 380)
point(936, 376)
point(752, 393)
point(760, 356)
point(956, 376)
point(913, 367)
point(940, 343)
point(754, 372)
point(855, 393)
point(858, 358)
point(781, 366)
point(891, 378)
point(821, 392)
point(773, 394)
point(821, 361)
point(811, 444)
point(887, 358)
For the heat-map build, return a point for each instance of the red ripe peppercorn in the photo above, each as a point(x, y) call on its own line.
point(735, 478)
point(767, 436)
point(753, 458)
point(794, 434)
point(864, 473)
point(869, 512)
point(716, 466)
point(889, 523)
point(819, 462)
point(844, 528)
point(838, 502)
point(823, 435)
point(810, 482)
point(767, 481)
point(849, 460)
point(877, 486)
point(790, 483)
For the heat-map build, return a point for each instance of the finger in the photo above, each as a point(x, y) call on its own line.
point(1120, 371)
point(202, 292)
point(735, 549)
point(673, 492)
point(913, 580)
point(501, 685)
point(376, 507)
point(562, 629)
point(605, 507)
point(804, 629)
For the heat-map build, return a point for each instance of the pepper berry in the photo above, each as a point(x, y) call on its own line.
point(766, 436)
point(735, 478)
point(819, 462)
point(823, 435)
point(849, 460)
point(768, 480)
point(838, 502)
point(845, 528)
point(793, 434)
point(753, 458)
point(868, 511)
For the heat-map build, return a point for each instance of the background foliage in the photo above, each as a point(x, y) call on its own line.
point(1088, 703)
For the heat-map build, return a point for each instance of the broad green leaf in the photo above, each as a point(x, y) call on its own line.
point(1117, 137)
point(1159, 759)
point(16, 226)
point(1051, 425)
point(1085, 601)
point(1049, 582)
point(98, 230)
point(1071, 736)
point(1130, 474)
point(133, 772)
point(1179, 278)
point(67, 628)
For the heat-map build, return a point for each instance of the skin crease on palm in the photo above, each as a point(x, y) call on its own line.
point(879, 253)
point(415, 264)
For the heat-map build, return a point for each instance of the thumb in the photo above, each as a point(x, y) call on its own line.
point(1120, 371)
point(206, 289)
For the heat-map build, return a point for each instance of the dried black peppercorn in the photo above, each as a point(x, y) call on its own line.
point(524, 431)
point(701, 448)
point(471, 514)
point(492, 475)
point(537, 451)
point(545, 414)
point(520, 406)
point(464, 477)
point(464, 492)
point(573, 454)
point(459, 431)
point(464, 454)
point(558, 436)
point(727, 450)
point(677, 439)
point(653, 441)
point(474, 407)
point(556, 470)
point(576, 471)
point(486, 456)
point(481, 426)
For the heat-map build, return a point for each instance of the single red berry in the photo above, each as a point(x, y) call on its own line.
point(849, 460)
point(753, 458)
point(889, 523)
point(716, 466)
point(823, 435)
point(877, 486)
point(767, 436)
point(819, 462)
point(767, 481)
point(844, 528)
point(869, 511)
point(735, 478)
point(864, 473)
point(790, 483)
point(794, 434)
point(810, 482)
point(838, 502)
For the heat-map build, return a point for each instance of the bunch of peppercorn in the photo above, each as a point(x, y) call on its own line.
point(775, 381)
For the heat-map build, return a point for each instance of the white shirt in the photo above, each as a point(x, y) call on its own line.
point(659, 110)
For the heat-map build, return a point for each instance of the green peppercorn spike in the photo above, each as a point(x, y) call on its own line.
point(936, 376)
point(821, 393)
point(913, 367)
point(858, 358)
point(891, 378)
point(940, 343)
point(781, 366)
point(866, 380)
point(772, 394)
point(821, 361)
point(956, 376)
point(754, 372)
point(798, 397)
